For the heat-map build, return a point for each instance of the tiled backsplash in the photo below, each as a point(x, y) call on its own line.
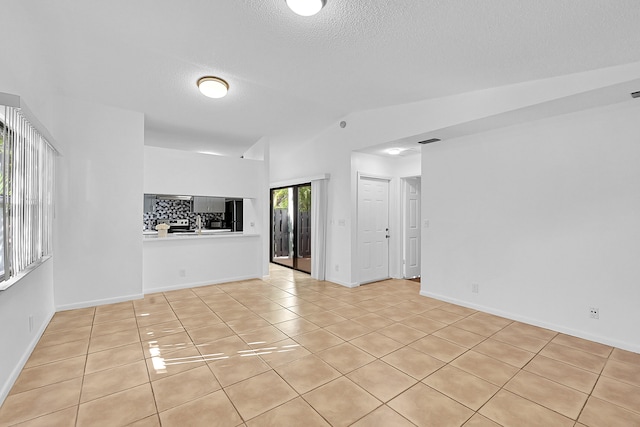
point(176, 209)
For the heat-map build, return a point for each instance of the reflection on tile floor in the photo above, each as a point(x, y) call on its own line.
point(294, 350)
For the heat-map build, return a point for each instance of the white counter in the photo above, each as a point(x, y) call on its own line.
point(191, 259)
point(147, 236)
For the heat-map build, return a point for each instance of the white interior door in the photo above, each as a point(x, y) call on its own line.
point(373, 229)
point(411, 228)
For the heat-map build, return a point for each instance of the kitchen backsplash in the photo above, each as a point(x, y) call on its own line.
point(176, 209)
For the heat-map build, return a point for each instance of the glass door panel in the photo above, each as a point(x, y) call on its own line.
point(303, 235)
point(282, 229)
point(291, 227)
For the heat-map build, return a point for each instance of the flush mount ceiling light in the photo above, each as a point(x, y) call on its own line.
point(394, 151)
point(306, 7)
point(213, 87)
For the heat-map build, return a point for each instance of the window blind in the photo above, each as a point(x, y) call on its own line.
point(27, 184)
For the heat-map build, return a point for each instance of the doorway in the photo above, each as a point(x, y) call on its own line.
point(291, 227)
point(411, 227)
point(373, 229)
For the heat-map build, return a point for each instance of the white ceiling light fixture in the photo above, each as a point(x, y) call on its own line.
point(394, 151)
point(213, 87)
point(306, 7)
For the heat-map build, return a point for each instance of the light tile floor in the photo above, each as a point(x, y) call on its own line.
point(295, 351)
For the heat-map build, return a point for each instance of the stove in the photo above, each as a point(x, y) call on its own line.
point(175, 225)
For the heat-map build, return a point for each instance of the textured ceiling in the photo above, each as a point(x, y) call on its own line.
point(291, 77)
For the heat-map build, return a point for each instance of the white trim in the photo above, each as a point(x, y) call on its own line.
point(411, 176)
point(15, 101)
point(319, 203)
point(15, 279)
point(366, 282)
point(9, 100)
point(98, 302)
point(345, 284)
point(528, 320)
point(374, 176)
point(401, 256)
point(198, 284)
point(297, 181)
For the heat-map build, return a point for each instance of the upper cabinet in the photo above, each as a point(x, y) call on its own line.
point(208, 204)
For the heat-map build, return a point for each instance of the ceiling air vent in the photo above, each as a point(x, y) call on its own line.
point(429, 141)
point(635, 94)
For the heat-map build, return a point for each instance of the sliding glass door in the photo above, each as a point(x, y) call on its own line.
point(291, 227)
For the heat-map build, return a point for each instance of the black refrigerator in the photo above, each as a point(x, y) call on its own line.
point(233, 215)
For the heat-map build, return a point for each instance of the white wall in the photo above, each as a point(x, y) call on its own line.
point(544, 218)
point(97, 243)
point(23, 70)
point(323, 155)
point(175, 264)
point(30, 297)
point(98, 183)
point(20, 74)
point(258, 210)
point(168, 171)
point(330, 151)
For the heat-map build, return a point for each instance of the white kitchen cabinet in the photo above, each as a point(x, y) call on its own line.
point(208, 204)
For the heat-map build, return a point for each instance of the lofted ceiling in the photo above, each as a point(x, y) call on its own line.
point(291, 77)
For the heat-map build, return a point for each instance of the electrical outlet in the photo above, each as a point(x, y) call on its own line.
point(337, 267)
point(475, 288)
point(31, 323)
point(182, 272)
point(594, 313)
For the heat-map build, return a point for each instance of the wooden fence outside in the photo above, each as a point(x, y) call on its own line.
point(283, 230)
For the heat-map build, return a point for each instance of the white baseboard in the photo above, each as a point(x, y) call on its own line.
point(345, 284)
point(196, 284)
point(105, 301)
point(6, 387)
point(538, 322)
point(95, 303)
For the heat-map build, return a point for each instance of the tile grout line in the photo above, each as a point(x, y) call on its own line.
point(146, 365)
point(264, 294)
point(84, 371)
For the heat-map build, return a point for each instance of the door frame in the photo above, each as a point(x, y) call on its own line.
point(389, 179)
point(295, 227)
point(404, 225)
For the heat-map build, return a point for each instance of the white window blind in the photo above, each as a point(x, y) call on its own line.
point(28, 162)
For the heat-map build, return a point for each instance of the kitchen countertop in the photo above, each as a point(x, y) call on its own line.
point(205, 234)
point(203, 231)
